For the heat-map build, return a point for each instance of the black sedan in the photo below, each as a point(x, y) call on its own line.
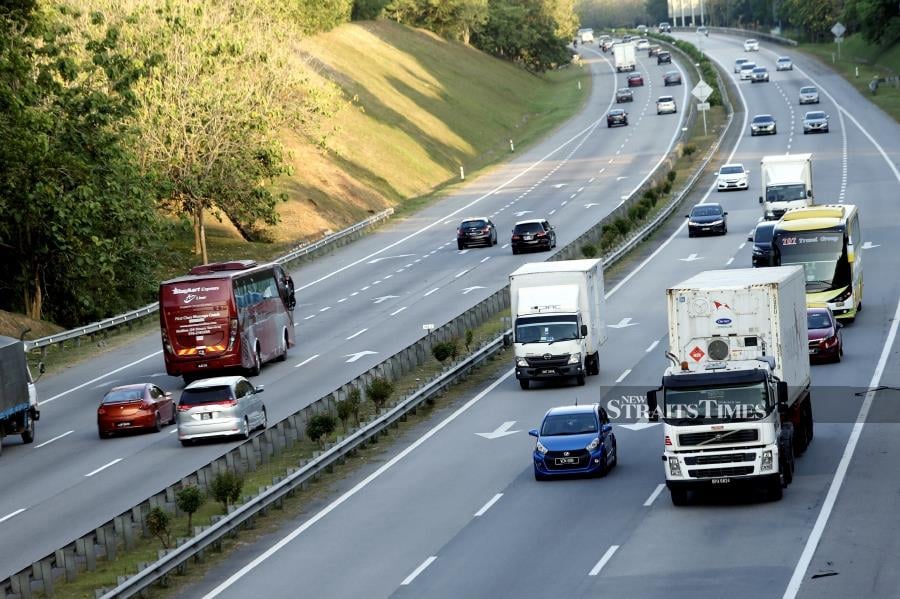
point(624, 95)
point(763, 124)
point(707, 218)
point(476, 231)
point(534, 234)
point(762, 243)
point(616, 116)
point(672, 78)
point(664, 57)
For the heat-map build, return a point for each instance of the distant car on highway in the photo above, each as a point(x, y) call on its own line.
point(534, 234)
point(664, 57)
point(751, 45)
point(635, 80)
point(809, 95)
point(574, 440)
point(666, 105)
point(653, 51)
point(642, 44)
point(759, 75)
point(671, 78)
point(476, 231)
point(784, 64)
point(732, 176)
point(747, 70)
point(824, 334)
point(738, 63)
point(624, 94)
point(815, 121)
point(703, 31)
point(763, 124)
point(664, 28)
point(223, 406)
point(762, 237)
point(142, 406)
point(616, 116)
point(707, 218)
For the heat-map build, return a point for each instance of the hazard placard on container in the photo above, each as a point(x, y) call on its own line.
point(697, 353)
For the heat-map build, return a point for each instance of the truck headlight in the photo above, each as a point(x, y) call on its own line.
point(674, 466)
point(770, 214)
point(593, 444)
point(575, 358)
point(541, 449)
point(521, 362)
point(766, 461)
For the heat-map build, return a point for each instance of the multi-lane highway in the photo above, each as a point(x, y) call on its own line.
point(454, 514)
point(356, 307)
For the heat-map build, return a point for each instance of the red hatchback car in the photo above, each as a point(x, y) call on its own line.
point(825, 342)
point(130, 407)
point(635, 80)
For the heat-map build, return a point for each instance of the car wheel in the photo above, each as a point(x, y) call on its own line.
point(515, 251)
point(103, 435)
point(187, 442)
point(753, 134)
point(245, 430)
point(615, 447)
point(579, 380)
point(608, 126)
point(775, 491)
point(774, 130)
point(459, 245)
point(525, 384)
point(690, 233)
point(157, 422)
point(826, 129)
point(679, 497)
point(805, 132)
point(174, 418)
point(265, 420)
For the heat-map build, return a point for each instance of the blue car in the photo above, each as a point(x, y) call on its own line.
point(574, 440)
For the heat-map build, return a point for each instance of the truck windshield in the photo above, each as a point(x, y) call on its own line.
point(546, 329)
point(820, 253)
point(786, 193)
point(727, 403)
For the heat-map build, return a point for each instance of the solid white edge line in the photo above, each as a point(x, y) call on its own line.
point(606, 557)
point(306, 361)
point(623, 375)
point(659, 489)
point(104, 467)
point(840, 474)
point(95, 379)
point(488, 505)
point(357, 488)
point(12, 514)
point(418, 570)
point(49, 441)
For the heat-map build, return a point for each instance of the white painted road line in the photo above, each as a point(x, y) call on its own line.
point(364, 288)
point(325, 309)
point(418, 570)
point(398, 311)
point(485, 259)
point(307, 361)
point(591, 180)
point(623, 375)
point(310, 316)
point(606, 557)
point(355, 293)
point(659, 489)
point(505, 245)
point(828, 505)
point(99, 378)
point(49, 441)
point(12, 514)
point(430, 292)
point(356, 334)
point(730, 260)
point(458, 275)
point(652, 346)
point(342, 300)
point(488, 505)
point(740, 247)
point(104, 467)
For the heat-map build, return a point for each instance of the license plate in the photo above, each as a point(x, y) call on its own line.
point(812, 351)
point(721, 481)
point(206, 416)
point(527, 238)
point(566, 461)
point(123, 424)
point(548, 371)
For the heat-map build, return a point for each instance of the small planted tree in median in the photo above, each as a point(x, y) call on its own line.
point(189, 499)
point(226, 488)
point(379, 391)
point(320, 426)
point(158, 522)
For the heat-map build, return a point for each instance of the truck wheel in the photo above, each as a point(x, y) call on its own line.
point(810, 423)
point(775, 491)
point(786, 466)
point(257, 362)
point(579, 380)
point(595, 364)
point(28, 431)
point(524, 384)
point(679, 497)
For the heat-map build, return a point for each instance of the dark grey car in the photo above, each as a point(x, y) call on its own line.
point(762, 243)
point(672, 78)
point(476, 231)
point(624, 95)
point(707, 218)
point(815, 121)
point(763, 124)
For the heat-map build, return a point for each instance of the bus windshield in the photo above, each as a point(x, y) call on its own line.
point(822, 255)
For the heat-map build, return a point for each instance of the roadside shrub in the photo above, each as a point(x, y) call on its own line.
point(608, 238)
point(689, 149)
point(667, 186)
point(379, 391)
point(637, 212)
point(320, 426)
point(226, 488)
point(470, 336)
point(349, 407)
point(445, 349)
point(588, 250)
point(651, 194)
point(189, 499)
point(158, 523)
point(622, 226)
point(671, 176)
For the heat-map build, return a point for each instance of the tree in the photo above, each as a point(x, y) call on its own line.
point(226, 488)
point(379, 391)
point(657, 10)
point(349, 407)
point(527, 32)
point(78, 227)
point(320, 426)
point(877, 20)
point(158, 523)
point(189, 499)
point(454, 19)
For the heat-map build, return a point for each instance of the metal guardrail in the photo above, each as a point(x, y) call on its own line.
point(127, 317)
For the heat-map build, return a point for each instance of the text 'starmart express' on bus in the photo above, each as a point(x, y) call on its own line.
point(225, 316)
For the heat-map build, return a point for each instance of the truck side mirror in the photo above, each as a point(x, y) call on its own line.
point(584, 330)
point(533, 432)
point(782, 393)
point(258, 389)
point(749, 237)
point(652, 405)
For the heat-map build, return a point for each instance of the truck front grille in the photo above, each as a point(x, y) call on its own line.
point(551, 362)
point(724, 438)
point(721, 472)
point(728, 458)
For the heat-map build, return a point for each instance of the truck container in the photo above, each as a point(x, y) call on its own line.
point(558, 319)
point(624, 56)
point(786, 183)
point(735, 402)
point(18, 398)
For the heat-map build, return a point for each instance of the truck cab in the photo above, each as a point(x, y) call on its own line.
point(786, 184)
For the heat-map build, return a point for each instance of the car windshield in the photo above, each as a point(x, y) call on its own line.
point(618, 112)
point(717, 404)
point(817, 320)
point(529, 228)
point(815, 115)
point(731, 170)
point(762, 119)
point(808, 90)
point(672, 74)
point(706, 211)
point(473, 224)
point(665, 99)
point(759, 70)
point(634, 76)
point(202, 395)
point(546, 329)
point(748, 66)
point(124, 395)
point(763, 234)
point(740, 61)
point(783, 59)
point(568, 424)
point(625, 91)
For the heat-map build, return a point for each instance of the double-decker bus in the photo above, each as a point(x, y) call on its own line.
point(226, 315)
point(826, 241)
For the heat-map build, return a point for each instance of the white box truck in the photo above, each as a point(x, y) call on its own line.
point(786, 183)
point(624, 56)
point(735, 402)
point(18, 397)
point(558, 319)
point(586, 36)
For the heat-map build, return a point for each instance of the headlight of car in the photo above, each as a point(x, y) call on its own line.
point(715, 222)
point(521, 362)
point(541, 449)
point(593, 444)
point(575, 358)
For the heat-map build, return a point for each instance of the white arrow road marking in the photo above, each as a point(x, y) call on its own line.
point(307, 361)
point(104, 467)
point(49, 441)
point(398, 311)
point(15, 513)
point(691, 258)
point(652, 346)
point(418, 570)
point(869, 245)
point(378, 300)
point(591, 204)
point(358, 355)
point(522, 212)
point(377, 260)
point(468, 290)
point(356, 334)
point(488, 505)
point(625, 322)
point(500, 431)
point(639, 426)
point(606, 557)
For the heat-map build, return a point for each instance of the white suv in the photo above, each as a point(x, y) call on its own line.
point(751, 45)
point(666, 105)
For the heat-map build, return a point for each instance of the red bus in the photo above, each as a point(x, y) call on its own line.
point(226, 315)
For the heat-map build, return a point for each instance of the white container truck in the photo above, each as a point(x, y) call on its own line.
point(586, 36)
point(18, 397)
point(786, 183)
point(624, 56)
point(735, 402)
point(558, 319)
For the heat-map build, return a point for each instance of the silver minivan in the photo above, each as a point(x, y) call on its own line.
point(219, 407)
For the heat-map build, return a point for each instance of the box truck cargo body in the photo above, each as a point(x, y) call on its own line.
point(786, 183)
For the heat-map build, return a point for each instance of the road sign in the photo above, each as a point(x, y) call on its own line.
point(838, 30)
point(702, 91)
point(703, 106)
